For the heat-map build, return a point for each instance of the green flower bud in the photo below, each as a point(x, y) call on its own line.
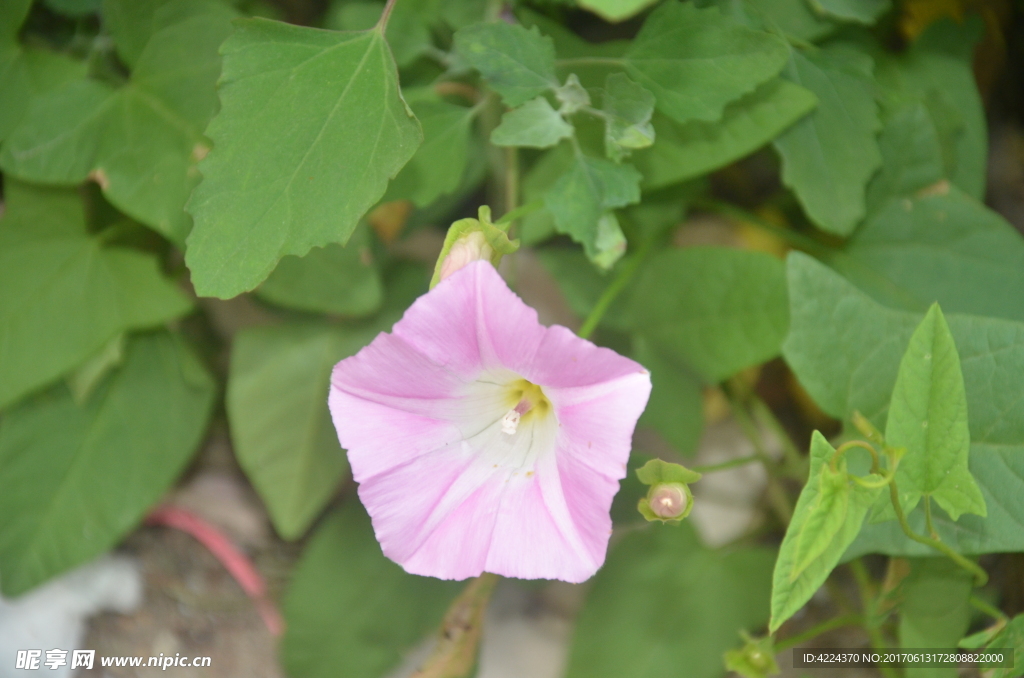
point(471, 240)
point(756, 659)
point(669, 500)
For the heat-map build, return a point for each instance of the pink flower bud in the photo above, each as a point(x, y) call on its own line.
point(467, 249)
point(668, 500)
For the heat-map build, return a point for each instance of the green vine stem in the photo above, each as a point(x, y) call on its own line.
point(980, 575)
point(790, 236)
point(992, 611)
point(796, 461)
point(520, 212)
point(778, 499)
point(868, 607)
point(615, 287)
point(817, 630)
point(726, 465)
point(382, 23)
point(929, 525)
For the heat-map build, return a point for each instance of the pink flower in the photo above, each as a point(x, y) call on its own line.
point(483, 441)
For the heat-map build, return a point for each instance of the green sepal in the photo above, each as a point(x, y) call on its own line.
point(756, 659)
point(495, 235)
point(657, 471)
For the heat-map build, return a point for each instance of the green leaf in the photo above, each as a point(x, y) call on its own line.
point(140, 142)
point(280, 424)
point(824, 520)
point(133, 24)
point(616, 10)
point(935, 609)
point(823, 526)
point(519, 63)
point(63, 295)
point(793, 18)
point(857, 11)
point(716, 308)
point(911, 156)
point(676, 406)
point(937, 70)
point(845, 349)
point(828, 157)
point(572, 96)
point(76, 478)
point(690, 150)
point(1010, 636)
point(582, 195)
point(698, 60)
point(75, 8)
point(944, 247)
point(27, 72)
point(334, 279)
point(349, 610)
point(83, 381)
point(928, 418)
point(628, 108)
point(663, 605)
point(534, 124)
point(276, 183)
point(539, 226)
point(439, 164)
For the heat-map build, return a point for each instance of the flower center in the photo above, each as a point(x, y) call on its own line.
point(530, 402)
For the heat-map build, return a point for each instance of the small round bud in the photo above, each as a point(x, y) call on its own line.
point(471, 247)
point(668, 500)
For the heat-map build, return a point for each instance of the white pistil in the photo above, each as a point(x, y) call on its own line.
point(510, 422)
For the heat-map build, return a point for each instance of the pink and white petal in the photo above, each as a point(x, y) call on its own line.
point(536, 535)
point(379, 438)
point(596, 424)
point(391, 371)
point(564, 360)
point(434, 515)
point(472, 320)
point(457, 547)
point(407, 503)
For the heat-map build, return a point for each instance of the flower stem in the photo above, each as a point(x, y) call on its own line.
point(455, 654)
point(817, 630)
point(980, 575)
point(511, 179)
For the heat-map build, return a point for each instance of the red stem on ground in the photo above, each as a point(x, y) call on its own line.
point(234, 561)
